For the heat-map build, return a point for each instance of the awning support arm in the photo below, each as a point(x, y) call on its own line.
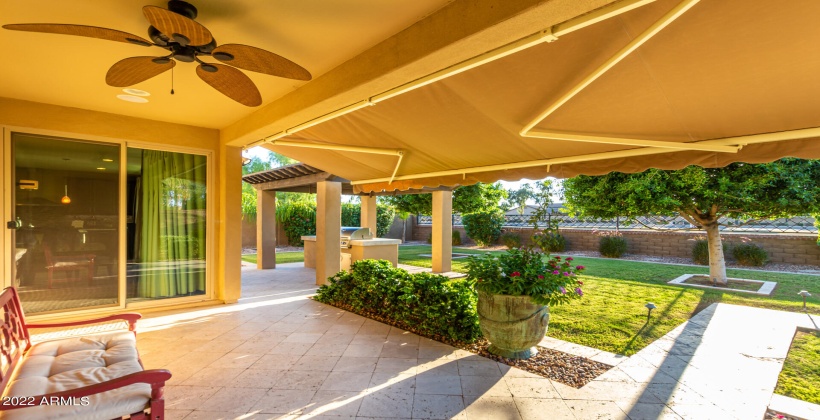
point(739, 140)
point(624, 52)
point(548, 35)
point(343, 148)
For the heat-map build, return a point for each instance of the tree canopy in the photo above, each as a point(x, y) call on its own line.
point(467, 199)
point(784, 188)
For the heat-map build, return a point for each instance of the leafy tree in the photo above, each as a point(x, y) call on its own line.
point(702, 196)
point(467, 199)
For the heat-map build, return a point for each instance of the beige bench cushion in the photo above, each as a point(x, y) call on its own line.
point(61, 365)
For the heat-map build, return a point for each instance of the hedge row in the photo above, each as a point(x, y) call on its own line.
point(299, 219)
point(431, 304)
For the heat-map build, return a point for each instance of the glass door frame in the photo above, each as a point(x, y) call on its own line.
point(7, 263)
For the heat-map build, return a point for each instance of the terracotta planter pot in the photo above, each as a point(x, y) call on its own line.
point(512, 324)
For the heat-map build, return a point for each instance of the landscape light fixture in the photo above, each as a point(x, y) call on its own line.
point(650, 306)
point(805, 294)
point(66, 199)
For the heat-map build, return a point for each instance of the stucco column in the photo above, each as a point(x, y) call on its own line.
point(328, 226)
point(442, 231)
point(369, 213)
point(228, 256)
point(265, 229)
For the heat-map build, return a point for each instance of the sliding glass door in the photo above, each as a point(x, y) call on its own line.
point(167, 196)
point(66, 223)
point(75, 248)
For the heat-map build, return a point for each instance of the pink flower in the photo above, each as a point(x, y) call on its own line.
point(565, 273)
point(515, 274)
point(580, 267)
point(578, 290)
point(540, 277)
point(556, 272)
point(563, 291)
point(557, 258)
point(569, 258)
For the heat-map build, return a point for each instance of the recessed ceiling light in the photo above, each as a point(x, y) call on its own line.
point(102, 169)
point(107, 160)
point(136, 92)
point(134, 99)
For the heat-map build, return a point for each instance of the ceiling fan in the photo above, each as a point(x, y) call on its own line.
point(175, 30)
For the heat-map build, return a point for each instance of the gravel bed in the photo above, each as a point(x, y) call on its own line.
point(575, 371)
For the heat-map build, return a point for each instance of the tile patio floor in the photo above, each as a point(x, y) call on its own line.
point(277, 354)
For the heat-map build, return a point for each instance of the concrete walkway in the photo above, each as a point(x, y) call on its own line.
point(278, 354)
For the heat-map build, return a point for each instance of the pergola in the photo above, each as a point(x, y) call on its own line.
point(303, 178)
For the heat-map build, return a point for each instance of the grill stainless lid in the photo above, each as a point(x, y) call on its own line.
point(354, 233)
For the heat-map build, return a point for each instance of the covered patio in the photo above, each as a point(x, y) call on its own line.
point(278, 354)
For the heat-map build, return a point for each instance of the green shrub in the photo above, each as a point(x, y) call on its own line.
point(612, 245)
point(456, 237)
point(525, 272)
point(351, 214)
point(385, 215)
point(484, 227)
point(298, 219)
point(550, 241)
point(511, 240)
point(700, 252)
point(430, 304)
point(750, 254)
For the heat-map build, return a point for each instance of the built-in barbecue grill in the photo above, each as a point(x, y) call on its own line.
point(354, 233)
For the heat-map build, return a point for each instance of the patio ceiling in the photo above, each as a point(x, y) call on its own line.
point(718, 76)
point(70, 71)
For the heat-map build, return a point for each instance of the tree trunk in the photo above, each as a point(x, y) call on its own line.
point(717, 263)
point(404, 230)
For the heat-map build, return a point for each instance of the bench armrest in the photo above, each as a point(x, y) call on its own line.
point(131, 318)
point(154, 377)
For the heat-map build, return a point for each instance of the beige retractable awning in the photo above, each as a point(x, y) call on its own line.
point(732, 80)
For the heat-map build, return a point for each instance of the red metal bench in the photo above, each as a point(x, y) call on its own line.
point(87, 377)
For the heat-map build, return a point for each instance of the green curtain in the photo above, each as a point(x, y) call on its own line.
point(172, 224)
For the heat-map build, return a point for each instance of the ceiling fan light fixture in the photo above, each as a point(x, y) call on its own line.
point(136, 92)
point(132, 98)
point(162, 60)
point(209, 68)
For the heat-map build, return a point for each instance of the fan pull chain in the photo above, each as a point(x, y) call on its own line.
point(172, 80)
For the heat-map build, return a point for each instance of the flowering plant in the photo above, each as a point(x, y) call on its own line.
point(526, 272)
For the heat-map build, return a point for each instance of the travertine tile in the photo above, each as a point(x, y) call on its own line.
point(438, 407)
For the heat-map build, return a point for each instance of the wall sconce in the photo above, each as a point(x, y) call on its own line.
point(66, 199)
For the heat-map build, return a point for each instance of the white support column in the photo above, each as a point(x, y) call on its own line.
point(265, 229)
point(369, 214)
point(328, 229)
point(442, 231)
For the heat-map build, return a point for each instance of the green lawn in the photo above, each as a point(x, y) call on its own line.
point(612, 316)
point(281, 257)
point(800, 377)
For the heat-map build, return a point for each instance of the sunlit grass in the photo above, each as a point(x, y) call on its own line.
point(800, 377)
point(612, 315)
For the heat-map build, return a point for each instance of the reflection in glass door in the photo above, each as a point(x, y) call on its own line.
point(66, 205)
